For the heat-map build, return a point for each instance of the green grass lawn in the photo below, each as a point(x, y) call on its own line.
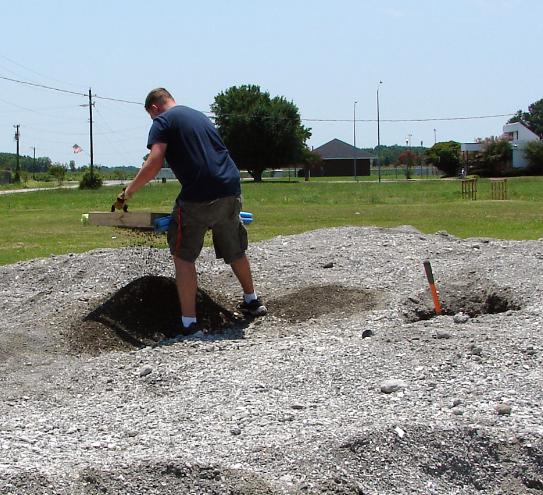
point(42, 223)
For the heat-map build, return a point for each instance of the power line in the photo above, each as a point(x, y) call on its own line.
point(35, 72)
point(430, 119)
point(120, 100)
point(42, 86)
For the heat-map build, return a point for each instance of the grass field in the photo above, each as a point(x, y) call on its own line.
point(42, 223)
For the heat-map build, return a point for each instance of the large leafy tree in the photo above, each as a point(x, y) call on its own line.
point(260, 131)
point(445, 156)
point(533, 118)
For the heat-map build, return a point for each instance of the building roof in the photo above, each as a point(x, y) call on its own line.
point(340, 150)
point(510, 126)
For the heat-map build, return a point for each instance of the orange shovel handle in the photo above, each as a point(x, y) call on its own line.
point(433, 290)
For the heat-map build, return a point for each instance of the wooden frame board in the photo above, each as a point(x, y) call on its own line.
point(130, 219)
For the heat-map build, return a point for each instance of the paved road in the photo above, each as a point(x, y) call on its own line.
point(70, 185)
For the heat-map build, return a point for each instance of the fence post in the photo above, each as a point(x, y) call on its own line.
point(469, 188)
point(498, 189)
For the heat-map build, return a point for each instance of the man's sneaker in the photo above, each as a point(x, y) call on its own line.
point(253, 308)
point(193, 330)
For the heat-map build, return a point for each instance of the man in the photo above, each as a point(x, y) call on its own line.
point(209, 198)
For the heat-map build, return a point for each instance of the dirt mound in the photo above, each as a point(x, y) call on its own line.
point(159, 478)
point(474, 297)
point(144, 312)
point(466, 458)
point(315, 301)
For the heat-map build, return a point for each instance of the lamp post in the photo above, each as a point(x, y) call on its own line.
point(435, 136)
point(354, 140)
point(33, 148)
point(17, 177)
point(378, 135)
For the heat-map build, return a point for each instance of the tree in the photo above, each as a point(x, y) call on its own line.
point(58, 171)
point(408, 159)
point(533, 118)
point(8, 161)
point(310, 160)
point(445, 156)
point(259, 131)
point(496, 155)
point(534, 154)
point(390, 154)
point(72, 165)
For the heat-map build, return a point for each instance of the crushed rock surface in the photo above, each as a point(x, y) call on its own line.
point(291, 403)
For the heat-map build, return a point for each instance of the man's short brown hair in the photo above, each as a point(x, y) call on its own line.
point(158, 95)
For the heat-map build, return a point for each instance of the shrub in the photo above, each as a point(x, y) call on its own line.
point(90, 181)
point(58, 171)
point(534, 154)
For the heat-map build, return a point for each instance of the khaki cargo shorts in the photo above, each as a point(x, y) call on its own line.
point(191, 221)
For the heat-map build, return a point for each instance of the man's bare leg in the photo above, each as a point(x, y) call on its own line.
point(187, 285)
point(242, 271)
point(251, 305)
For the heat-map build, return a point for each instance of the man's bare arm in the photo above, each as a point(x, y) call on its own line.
point(149, 170)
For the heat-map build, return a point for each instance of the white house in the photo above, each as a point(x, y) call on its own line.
point(520, 136)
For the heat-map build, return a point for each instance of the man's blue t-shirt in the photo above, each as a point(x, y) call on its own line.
point(196, 154)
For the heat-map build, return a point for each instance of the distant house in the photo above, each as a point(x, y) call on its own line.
point(340, 158)
point(164, 174)
point(519, 136)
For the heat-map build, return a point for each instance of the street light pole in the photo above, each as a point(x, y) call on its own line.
point(354, 140)
point(17, 177)
point(378, 134)
point(435, 136)
point(33, 148)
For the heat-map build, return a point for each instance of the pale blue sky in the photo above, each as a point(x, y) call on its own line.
point(435, 58)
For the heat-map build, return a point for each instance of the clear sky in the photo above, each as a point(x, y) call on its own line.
point(436, 58)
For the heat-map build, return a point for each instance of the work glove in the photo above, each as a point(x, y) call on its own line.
point(120, 202)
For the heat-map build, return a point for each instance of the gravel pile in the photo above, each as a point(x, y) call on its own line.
point(349, 386)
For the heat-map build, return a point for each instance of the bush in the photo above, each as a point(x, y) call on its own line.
point(90, 181)
point(58, 172)
point(534, 154)
point(445, 156)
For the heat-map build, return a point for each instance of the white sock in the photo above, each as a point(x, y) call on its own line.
point(249, 297)
point(188, 320)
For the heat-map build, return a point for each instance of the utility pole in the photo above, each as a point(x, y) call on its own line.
point(17, 177)
point(90, 123)
point(435, 136)
point(378, 134)
point(354, 140)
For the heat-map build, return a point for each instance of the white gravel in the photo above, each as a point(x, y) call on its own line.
point(296, 403)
